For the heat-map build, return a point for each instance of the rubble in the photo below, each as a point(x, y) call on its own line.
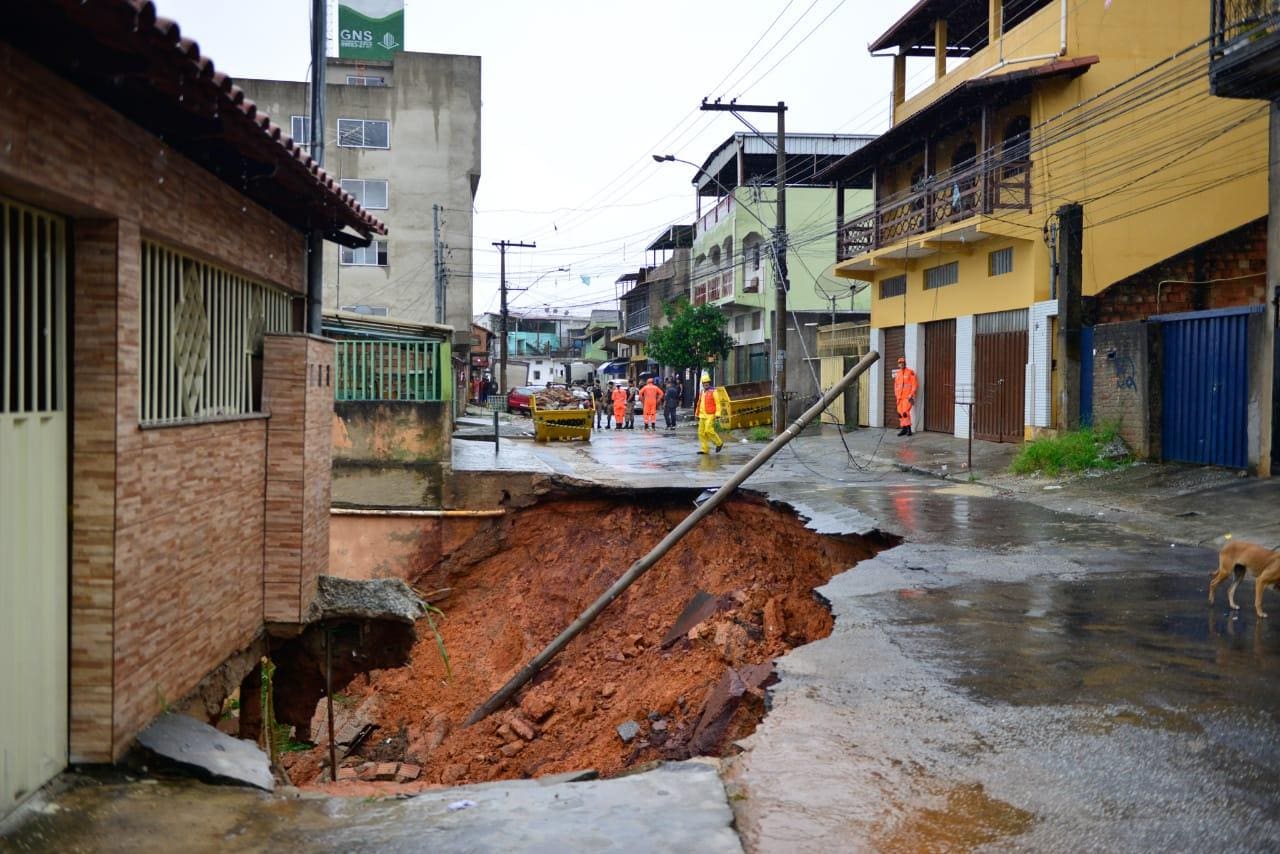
point(557, 397)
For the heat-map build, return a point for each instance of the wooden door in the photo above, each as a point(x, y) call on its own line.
point(895, 345)
point(999, 374)
point(940, 376)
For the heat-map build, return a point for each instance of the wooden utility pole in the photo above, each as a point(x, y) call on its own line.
point(502, 286)
point(782, 285)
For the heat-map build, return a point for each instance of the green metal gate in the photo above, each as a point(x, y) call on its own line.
point(33, 501)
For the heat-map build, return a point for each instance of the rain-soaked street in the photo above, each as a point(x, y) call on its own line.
point(1028, 670)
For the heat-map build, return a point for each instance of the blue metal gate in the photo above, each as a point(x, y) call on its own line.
point(1205, 386)
point(1086, 376)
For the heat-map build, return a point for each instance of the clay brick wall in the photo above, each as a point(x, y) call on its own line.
point(69, 153)
point(1239, 257)
point(298, 392)
point(1126, 386)
point(168, 523)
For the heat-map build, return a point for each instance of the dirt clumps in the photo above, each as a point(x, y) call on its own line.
point(676, 666)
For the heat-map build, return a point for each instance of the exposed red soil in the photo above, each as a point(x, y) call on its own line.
point(520, 582)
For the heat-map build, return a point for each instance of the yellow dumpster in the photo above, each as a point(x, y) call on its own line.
point(744, 404)
point(560, 425)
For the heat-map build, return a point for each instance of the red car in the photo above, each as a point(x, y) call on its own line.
point(518, 398)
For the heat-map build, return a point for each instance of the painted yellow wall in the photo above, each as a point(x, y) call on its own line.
point(1127, 171)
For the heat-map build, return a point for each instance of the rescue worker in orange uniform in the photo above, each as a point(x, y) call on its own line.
point(705, 409)
point(619, 400)
point(651, 396)
point(905, 385)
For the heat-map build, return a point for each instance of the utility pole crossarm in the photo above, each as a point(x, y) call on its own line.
point(502, 287)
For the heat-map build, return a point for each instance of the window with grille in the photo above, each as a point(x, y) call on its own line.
point(358, 80)
point(371, 193)
point(202, 328)
point(33, 310)
point(300, 129)
point(364, 133)
point(894, 286)
point(1000, 261)
point(942, 275)
point(373, 255)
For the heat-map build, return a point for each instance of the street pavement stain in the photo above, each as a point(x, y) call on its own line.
point(624, 692)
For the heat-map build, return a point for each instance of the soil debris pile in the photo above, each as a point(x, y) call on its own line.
point(556, 397)
point(676, 666)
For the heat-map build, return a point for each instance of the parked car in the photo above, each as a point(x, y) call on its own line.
point(518, 398)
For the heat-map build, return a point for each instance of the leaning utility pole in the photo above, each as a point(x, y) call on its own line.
point(315, 240)
point(781, 285)
point(502, 287)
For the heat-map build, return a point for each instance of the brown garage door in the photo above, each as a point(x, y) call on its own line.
point(895, 345)
point(940, 376)
point(999, 373)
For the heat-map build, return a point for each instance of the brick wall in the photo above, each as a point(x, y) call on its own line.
point(69, 153)
point(1126, 388)
point(297, 390)
point(1239, 256)
point(169, 523)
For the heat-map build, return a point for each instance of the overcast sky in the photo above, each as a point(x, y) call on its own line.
point(579, 93)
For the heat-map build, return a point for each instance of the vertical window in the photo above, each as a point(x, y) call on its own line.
point(300, 129)
point(371, 193)
point(755, 319)
point(1000, 261)
point(201, 329)
point(942, 275)
point(373, 255)
point(740, 323)
point(894, 286)
point(364, 133)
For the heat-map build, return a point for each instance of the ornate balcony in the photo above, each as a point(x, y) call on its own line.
point(938, 202)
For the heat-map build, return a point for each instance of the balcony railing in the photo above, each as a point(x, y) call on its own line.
point(723, 208)
point(938, 202)
point(637, 318)
point(1236, 19)
point(1244, 51)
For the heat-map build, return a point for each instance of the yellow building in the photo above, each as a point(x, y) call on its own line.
point(1030, 108)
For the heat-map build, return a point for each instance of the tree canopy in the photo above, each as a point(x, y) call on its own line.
point(695, 337)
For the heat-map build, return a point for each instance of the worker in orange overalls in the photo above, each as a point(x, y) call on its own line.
point(905, 385)
point(619, 400)
point(705, 409)
point(651, 396)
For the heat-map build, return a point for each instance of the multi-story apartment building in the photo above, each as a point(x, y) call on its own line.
point(1066, 162)
point(404, 138)
point(733, 245)
point(643, 306)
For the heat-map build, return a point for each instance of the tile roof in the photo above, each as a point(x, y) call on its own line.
point(142, 66)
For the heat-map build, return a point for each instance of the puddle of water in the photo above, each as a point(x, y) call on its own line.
point(968, 818)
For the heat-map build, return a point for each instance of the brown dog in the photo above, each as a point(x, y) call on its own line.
point(1235, 558)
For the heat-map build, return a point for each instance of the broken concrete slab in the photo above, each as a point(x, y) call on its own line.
point(204, 751)
point(372, 599)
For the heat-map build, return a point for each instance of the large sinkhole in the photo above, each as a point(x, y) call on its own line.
point(675, 667)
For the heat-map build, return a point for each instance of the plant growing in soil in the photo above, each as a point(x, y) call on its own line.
point(444, 653)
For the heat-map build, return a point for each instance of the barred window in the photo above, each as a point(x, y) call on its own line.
point(1000, 261)
point(894, 286)
point(943, 274)
point(202, 326)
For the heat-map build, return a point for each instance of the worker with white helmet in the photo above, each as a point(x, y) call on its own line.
point(705, 410)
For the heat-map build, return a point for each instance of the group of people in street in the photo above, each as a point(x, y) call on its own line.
point(615, 404)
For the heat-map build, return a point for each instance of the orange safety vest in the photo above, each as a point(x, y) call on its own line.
point(905, 385)
point(707, 402)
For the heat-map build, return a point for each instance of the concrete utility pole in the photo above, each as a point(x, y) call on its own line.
point(315, 240)
point(1070, 262)
point(502, 287)
point(782, 285)
point(439, 264)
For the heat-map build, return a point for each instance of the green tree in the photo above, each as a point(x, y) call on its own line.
point(695, 337)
